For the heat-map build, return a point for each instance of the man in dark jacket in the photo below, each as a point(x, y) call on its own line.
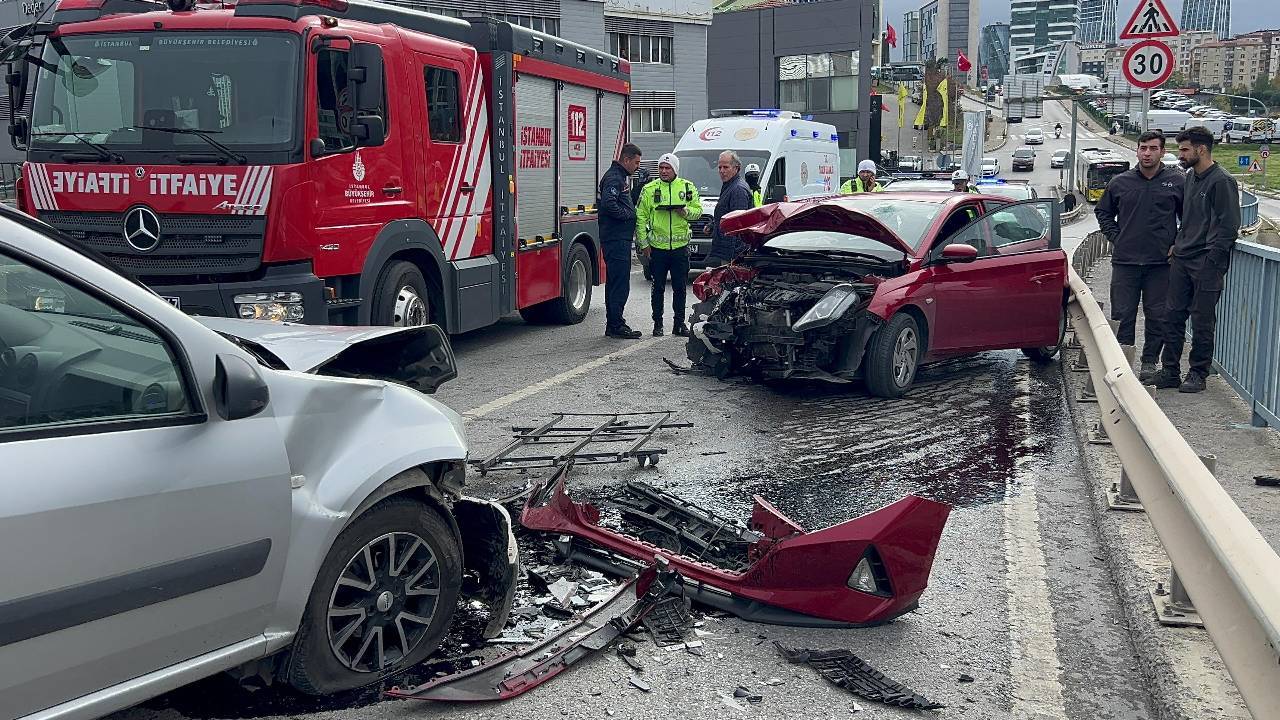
point(617, 232)
point(1200, 256)
point(734, 195)
point(1139, 214)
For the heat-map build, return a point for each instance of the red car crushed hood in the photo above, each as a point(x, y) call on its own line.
point(757, 225)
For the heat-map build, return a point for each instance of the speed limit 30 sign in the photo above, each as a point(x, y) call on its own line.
point(1148, 63)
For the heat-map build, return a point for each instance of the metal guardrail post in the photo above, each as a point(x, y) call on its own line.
point(1121, 495)
point(1081, 363)
point(1173, 606)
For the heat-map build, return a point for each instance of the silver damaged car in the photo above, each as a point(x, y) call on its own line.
point(185, 496)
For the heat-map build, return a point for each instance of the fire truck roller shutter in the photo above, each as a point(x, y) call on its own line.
point(579, 123)
point(535, 158)
point(613, 108)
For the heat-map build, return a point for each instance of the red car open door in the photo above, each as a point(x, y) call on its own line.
point(1012, 292)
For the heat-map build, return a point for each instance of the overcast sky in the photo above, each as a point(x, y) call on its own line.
point(1246, 15)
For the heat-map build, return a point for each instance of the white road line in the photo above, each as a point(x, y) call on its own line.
point(554, 380)
point(1034, 665)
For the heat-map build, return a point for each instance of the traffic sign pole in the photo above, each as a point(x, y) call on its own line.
point(1146, 105)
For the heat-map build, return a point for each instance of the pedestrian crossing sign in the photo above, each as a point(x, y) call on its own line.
point(1149, 20)
point(1255, 168)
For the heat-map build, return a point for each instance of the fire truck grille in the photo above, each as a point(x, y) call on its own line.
point(189, 244)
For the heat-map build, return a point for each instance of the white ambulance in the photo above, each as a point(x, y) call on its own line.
point(798, 158)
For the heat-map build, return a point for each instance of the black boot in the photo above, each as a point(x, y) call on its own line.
point(1193, 384)
point(622, 332)
point(680, 329)
point(657, 328)
point(1167, 378)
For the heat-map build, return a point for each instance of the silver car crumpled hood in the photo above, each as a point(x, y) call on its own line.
point(419, 357)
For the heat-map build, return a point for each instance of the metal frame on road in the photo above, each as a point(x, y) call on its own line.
point(1230, 572)
point(633, 429)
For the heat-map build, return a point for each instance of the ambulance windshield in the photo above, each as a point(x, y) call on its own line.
point(699, 168)
point(106, 90)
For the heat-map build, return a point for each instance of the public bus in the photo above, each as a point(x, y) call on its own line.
point(1094, 169)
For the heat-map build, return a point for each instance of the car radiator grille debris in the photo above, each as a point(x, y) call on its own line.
point(669, 623)
point(843, 668)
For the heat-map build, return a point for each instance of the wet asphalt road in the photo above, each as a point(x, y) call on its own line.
point(1019, 599)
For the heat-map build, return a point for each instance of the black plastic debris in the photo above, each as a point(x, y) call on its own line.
point(844, 669)
point(1267, 480)
point(669, 622)
point(966, 678)
point(666, 521)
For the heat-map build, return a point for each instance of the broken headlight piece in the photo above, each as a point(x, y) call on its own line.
point(829, 309)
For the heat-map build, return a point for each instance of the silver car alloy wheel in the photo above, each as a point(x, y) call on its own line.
point(904, 357)
point(383, 602)
point(578, 285)
point(410, 309)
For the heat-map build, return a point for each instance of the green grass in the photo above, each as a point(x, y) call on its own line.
point(1228, 156)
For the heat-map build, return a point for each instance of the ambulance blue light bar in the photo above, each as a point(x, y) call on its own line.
point(766, 112)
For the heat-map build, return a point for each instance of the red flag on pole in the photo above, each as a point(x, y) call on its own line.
point(962, 62)
point(891, 36)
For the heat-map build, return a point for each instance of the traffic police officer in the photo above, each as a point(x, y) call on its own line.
point(662, 232)
point(864, 182)
point(960, 181)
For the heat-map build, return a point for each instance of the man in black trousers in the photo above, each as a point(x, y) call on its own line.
point(1199, 260)
point(1139, 214)
point(617, 232)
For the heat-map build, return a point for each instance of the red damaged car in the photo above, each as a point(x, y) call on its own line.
point(872, 286)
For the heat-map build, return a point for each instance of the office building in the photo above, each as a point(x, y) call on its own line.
point(1093, 60)
point(911, 36)
point(665, 41)
point(1214, 15)
point(811, 57)
point(1041, 23)
point(1098, 21)
point(993, 53)
point(949, 27)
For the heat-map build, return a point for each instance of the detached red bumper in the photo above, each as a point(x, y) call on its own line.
point(794, 577)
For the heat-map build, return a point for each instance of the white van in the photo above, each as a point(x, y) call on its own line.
point(798, 158)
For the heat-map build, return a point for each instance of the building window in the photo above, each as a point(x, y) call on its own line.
point(641, 48)
point(818, 83)
point(644, 120)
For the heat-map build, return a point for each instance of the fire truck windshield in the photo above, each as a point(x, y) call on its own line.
point(240, 89)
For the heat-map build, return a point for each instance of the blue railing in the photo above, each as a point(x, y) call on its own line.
point(1248, 209)
point(1247, 347)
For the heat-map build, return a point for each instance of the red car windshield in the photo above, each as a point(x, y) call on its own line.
point(908, 219)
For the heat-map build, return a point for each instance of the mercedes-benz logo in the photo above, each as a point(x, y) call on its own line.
point(142, 229)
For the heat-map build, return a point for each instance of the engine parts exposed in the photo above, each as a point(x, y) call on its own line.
point(844, 669)
point(864, 571)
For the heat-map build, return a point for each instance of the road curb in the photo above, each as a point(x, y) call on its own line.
point(1185, 676)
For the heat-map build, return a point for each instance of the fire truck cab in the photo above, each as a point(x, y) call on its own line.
point(321, 161)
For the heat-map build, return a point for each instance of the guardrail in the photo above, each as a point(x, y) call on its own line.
point(1247, 343)
point(1248, 211)
point(1230, 573)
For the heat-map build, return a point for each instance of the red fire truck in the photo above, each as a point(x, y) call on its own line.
point(324, 161)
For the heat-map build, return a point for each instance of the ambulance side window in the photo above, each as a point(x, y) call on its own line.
point(333, 104)
point(776, 189)
point(444, 112)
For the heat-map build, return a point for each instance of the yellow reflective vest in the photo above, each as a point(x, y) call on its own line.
point(664, 211)
point(854, 185)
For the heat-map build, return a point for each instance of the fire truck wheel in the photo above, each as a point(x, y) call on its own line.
point(401, 296)
point(575, 296)
point(382, 601)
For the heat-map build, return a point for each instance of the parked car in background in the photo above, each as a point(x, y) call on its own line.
point(1059, 158)
point(1024, 158)
point(200, 495)
point(1170, 161)
point(910, 163)
point(872, 286)
point(1012, 189)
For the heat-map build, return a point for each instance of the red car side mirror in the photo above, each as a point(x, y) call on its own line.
point(959, 252)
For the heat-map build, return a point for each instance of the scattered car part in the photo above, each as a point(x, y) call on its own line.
point(1267, 480)
point(669, 623)
point(632, 429)
point(518, 672)
point(684, 528)
point(864, 571)
point(843, 668)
